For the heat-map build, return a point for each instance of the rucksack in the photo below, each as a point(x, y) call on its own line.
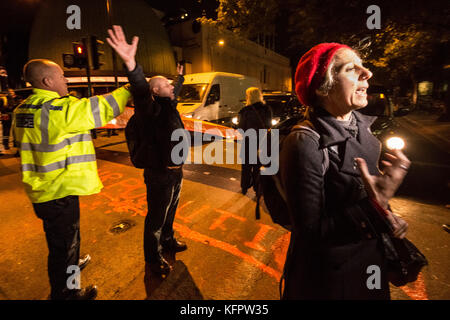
point(270, 187)
point(139, 146)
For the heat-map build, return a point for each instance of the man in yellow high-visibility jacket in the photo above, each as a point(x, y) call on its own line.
point(58, 161)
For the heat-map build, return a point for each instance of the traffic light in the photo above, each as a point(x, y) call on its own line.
point(96, 52)
point(80, 55)
point(69, 60)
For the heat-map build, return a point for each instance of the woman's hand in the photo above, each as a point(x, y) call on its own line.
point(399, 225)
point(382, 188)
point(126, 51)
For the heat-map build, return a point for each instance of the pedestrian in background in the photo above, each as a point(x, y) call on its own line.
point(255, 115)
point(3, 102)
point(7, 105)
point(334, 213)
point(157, 118)
point(58, 162)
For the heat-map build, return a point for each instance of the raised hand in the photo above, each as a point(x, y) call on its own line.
point(180, 69)
point(382, 188)
point(118, 42)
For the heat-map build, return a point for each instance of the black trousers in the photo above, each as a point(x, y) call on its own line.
point(163, 194)
point(249, 176)
point(6, 128)
point(61, 219)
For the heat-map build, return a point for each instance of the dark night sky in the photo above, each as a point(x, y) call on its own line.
point(194, 7)
point(17, 17)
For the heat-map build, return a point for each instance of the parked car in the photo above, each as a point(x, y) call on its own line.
point(385, 127)
point(283, 104)
point(377, 98)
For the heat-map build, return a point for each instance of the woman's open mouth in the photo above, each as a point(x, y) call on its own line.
point(361, 91)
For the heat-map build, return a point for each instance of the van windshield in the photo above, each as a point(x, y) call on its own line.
point(193, 92)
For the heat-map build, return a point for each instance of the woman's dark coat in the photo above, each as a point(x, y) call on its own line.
point(334, 236)
point(255, 116)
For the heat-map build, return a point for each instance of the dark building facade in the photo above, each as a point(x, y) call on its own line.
point(50, 36)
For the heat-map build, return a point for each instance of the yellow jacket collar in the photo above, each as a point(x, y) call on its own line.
point(47, 93)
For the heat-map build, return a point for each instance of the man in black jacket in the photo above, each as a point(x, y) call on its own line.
point(7, 106)
point(157, 118)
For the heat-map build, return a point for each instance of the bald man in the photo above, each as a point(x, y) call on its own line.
point(58, 163)
point(157, 117)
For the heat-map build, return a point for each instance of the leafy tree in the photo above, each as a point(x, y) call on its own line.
point(405, 48)
point(248, 18)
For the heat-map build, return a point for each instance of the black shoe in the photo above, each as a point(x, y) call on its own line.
point(88, 293)
point(159, 265)
point(83, 262)
point(244, 191)
point(446, 227)
point(174, 245)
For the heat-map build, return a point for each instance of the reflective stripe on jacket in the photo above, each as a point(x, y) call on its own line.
point(56, 151)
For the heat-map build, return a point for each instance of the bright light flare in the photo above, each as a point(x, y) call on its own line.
point(395, 143)
point(235, 120)
point(79, 49)
point(275, 121)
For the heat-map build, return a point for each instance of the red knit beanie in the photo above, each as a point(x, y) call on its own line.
point(311, 70)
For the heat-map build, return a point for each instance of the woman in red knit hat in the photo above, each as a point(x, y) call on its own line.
point(333, 185)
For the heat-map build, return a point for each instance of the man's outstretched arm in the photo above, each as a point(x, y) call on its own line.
point(139, 86)
point(118, 42)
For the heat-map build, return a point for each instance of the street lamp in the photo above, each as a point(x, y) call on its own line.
point(221, 42)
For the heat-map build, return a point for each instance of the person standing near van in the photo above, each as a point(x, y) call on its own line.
point(157, 117)
point(58, 162)
point(255, 115)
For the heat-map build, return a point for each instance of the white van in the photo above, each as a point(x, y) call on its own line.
point(214, 96)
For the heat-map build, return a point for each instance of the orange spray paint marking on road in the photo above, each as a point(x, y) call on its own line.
point(218, 223)
point(107, 175)
point(124, 184)
point(259, 237)
point(129, 197)
point(193, 235)
point(280, 248)
point(180, 208)
point(195, 213)
point(416, 290)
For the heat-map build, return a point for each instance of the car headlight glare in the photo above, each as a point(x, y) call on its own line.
point(395, 143)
